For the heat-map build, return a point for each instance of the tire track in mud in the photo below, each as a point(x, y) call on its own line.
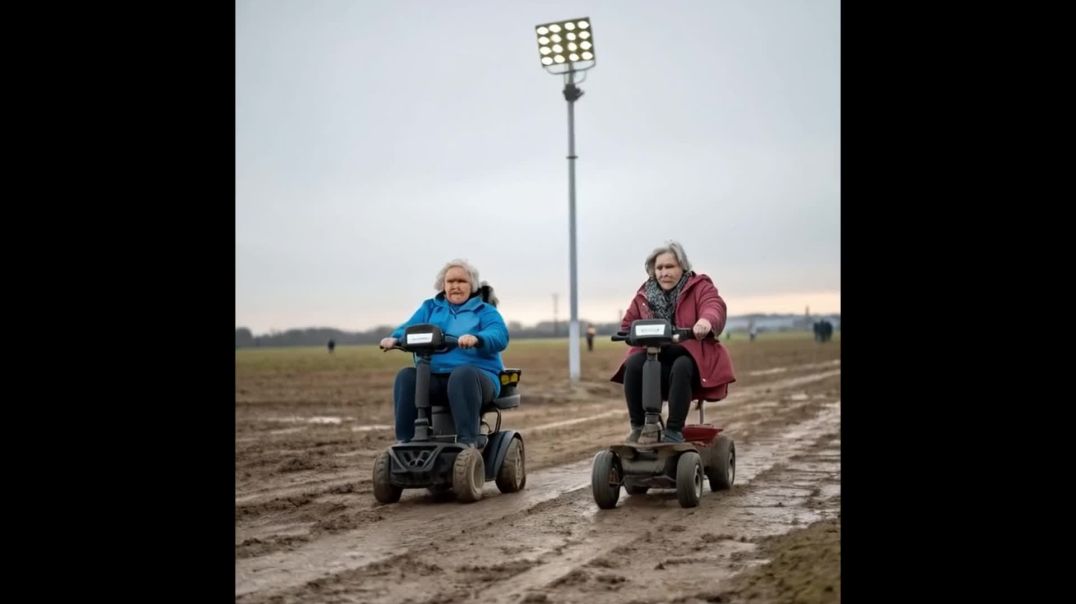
point(575, 552)
point(411, 524)
point(557, 499)
point(276, 517)
point(257, 499)
point(611, 539)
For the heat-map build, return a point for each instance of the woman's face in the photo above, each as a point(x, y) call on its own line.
point(667, 270)
point(457, 285)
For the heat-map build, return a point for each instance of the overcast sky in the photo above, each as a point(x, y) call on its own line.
point(377, 140)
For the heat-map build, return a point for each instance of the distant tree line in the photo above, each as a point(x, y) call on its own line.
point(320, 336)
point(310, 336)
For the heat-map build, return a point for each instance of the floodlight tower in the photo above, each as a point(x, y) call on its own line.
point(567, 48)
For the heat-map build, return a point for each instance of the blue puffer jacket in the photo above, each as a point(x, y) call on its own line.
point(474, 317)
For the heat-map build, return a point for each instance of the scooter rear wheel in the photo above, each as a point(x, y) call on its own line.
point(512, 476)
point(723, 471)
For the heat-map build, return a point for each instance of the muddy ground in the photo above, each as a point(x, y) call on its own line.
point(309, 424)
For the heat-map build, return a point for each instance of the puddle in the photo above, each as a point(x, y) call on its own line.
point(830, 490)
point(286, 431)
point(571, 422)
point(317, 419)
point(371, 428)
point(768, 371)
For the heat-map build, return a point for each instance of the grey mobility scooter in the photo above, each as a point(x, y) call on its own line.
point(433, 459)
point(651, 463)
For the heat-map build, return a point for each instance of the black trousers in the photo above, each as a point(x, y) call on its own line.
point(678, 374)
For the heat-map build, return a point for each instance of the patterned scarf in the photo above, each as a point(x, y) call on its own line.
point(664, 304)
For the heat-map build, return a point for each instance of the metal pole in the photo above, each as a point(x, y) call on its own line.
point(571, 93)
point(555, 330)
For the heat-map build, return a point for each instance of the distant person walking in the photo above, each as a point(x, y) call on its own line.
point(591, 332)
point(332, 346)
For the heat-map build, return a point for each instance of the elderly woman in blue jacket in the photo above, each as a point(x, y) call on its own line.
point(467, 376)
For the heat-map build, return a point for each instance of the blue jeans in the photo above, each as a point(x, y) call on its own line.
point(466, 389)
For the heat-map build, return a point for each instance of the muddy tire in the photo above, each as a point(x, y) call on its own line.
point(605, 479)
point(384, 490)
point(689, 479)
point(468, 475)
point(512, 475)
point(722, 474)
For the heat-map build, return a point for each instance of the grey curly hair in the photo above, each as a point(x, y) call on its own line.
point(472, 273)
point(670, 247)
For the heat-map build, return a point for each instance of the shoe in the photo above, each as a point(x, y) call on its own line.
point(673, 436)
point(649, 434)
point(633, 436)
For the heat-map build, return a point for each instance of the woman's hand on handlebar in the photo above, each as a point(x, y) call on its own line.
point(701, 329)
point(467, 341)
point(387, 343)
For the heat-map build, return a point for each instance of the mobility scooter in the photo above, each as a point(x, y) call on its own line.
point(433, 459)
point(651, 463)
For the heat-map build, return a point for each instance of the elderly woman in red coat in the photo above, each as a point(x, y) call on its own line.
point(696, 368)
